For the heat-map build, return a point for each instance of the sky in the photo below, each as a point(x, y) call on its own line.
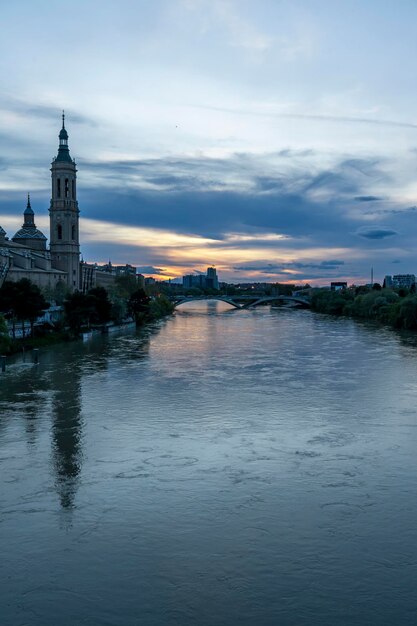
point(274, 139)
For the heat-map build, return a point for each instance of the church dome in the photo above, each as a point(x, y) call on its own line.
point(29, 235)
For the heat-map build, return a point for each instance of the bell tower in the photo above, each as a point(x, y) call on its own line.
point(64, 213)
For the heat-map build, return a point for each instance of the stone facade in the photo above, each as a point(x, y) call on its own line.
point(26, 254)
point(64, 213)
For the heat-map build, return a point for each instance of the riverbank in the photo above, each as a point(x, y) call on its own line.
point(397, 309)
point(29, 343)
point(156, 309)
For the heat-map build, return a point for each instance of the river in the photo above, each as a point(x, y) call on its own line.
point(218, 468)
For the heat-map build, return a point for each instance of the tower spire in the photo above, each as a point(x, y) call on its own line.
point(63, 150)
point(63, 213)
point(29, 216)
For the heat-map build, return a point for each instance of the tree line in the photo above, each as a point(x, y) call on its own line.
point(395, 307)
point(22, 301)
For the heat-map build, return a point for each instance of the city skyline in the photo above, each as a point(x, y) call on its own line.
point(220, 133)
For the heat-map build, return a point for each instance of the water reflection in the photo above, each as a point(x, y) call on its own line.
point(67, 431)
point(26, 399)
point(54, 390)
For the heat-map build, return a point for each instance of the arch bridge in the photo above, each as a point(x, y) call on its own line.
point(245, 302)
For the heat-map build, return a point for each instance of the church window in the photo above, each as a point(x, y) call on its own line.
point(73, 189)
point(59, 231)
point(66, 187)
point(58, 187)
point(73, 232)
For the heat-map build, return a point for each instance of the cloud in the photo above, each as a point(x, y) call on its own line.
point(376, 233)
point(247, 214)
point(273, 268)
point(332, 263)
point(313, 117)
point(248, 195)
point(240, 172)
point(400, 211)
point(367, 198)
point(225, 15)
point(41, 111)
point(296, 209)
point(149, 269)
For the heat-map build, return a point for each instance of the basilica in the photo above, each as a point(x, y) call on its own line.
point(26, 254)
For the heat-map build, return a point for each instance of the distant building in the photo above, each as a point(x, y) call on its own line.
point(200, 281)
point(141, 280)
point(388, 282)
point(186, 281)
point(212, 281)
point(118, 270)
point(125, 270)
point(150, 281)
point(193, 280)
point(338, 285)
point(93, 276)
point(406, 281)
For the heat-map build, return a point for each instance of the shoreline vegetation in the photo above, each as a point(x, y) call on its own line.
point(395, 308)
point(22, 302)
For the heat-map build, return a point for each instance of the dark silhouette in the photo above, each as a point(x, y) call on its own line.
point(22, 300)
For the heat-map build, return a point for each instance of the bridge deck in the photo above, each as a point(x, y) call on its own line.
point(244, 302)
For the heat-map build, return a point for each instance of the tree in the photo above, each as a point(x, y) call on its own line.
point(102, 305)
point(118, 309)
point(406, 313)
point(82, 309)
point(194, 291)
point(79, 310)
point(125, 285)
point(57, 293)
point(8, 296)
point(22, 300)
point(138, 303)
point(160, 306)
point(333, 302)
point(283, 289)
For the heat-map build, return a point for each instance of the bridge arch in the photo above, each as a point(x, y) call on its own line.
point(298, 300)
point(244, 301)
point(225, 299)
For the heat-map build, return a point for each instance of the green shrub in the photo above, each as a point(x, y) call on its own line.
point(332, 302)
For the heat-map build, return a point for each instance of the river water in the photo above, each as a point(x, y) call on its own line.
point(221, 467)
